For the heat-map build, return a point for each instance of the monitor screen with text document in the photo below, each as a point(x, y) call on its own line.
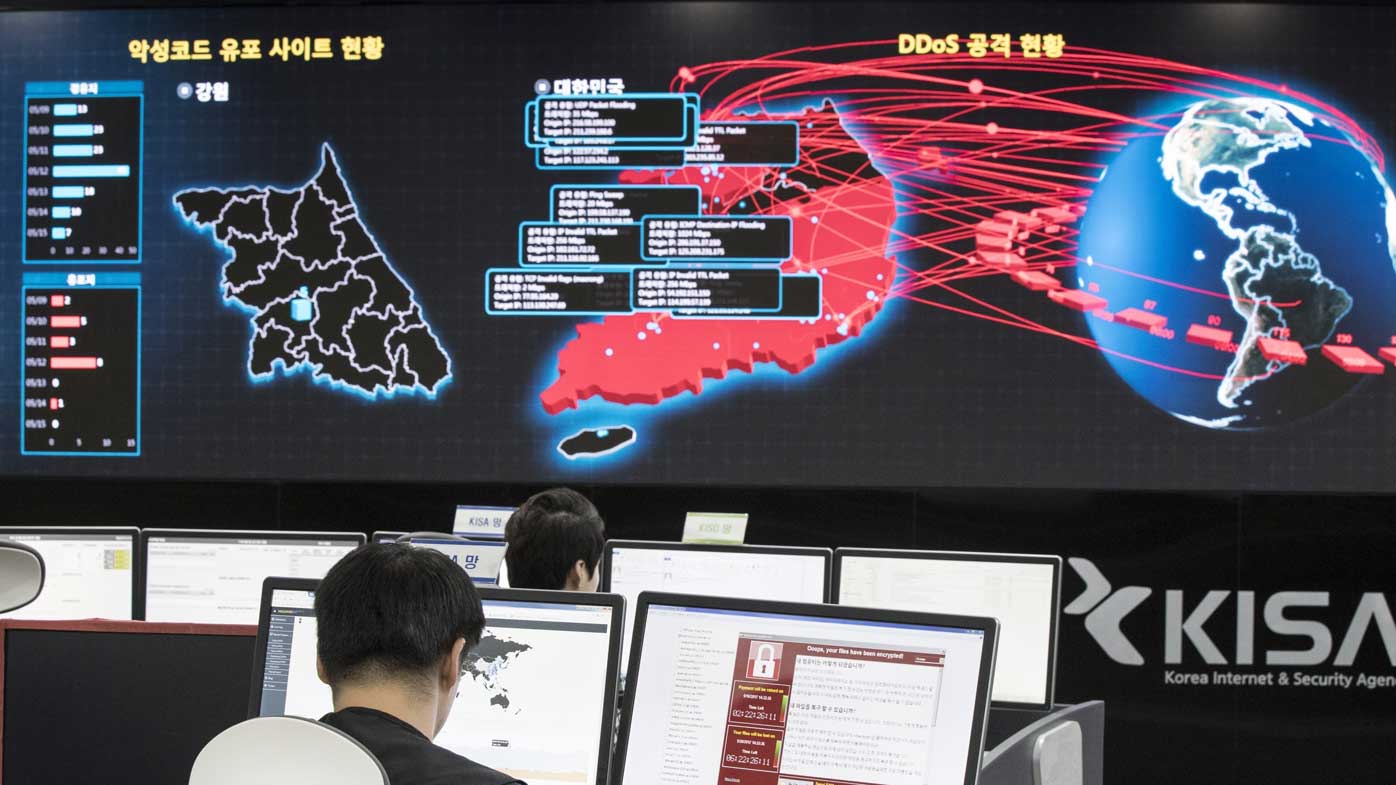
point(738, 692)
point(536, 698)
point(1022, 591)
point(480, 559)
point(89, 573)
point(216, 577)
point(755, 572)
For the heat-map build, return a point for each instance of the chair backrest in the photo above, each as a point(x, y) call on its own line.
point(21, 575)
point(285, 751)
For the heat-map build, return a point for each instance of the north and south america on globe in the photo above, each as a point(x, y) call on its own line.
point(1253, 215)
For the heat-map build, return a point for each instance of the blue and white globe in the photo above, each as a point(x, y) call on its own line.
point(1250, 215)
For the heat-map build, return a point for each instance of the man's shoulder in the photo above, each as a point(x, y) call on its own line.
point(409, 757)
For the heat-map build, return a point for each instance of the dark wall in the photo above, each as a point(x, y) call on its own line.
point(1336, 549)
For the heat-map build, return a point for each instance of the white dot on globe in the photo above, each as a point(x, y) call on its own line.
point(1199, 255)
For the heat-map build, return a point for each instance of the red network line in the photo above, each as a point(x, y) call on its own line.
point(928, 124)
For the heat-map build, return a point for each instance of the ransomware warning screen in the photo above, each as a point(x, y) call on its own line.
point(830, 714)
point(1096, 245)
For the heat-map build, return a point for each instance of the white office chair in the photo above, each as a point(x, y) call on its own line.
point(21, 575)
point(285, 751)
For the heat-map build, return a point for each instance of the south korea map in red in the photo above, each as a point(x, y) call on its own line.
point(842, 211)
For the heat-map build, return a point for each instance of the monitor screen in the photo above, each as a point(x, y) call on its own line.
point(537, 695)
point(480, 560)
point(484, 522)
point(387, 536)
point(216, 577)
point(724, 692)
point(88, 573)
point(752, 571)
point(1021, 591)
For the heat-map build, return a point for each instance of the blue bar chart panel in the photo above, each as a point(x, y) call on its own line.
point(81, 363)
point(82, 165)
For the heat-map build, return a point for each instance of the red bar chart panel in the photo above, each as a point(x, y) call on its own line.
point(1352, 359)
point(81, 371)
point(1280, 350)
point(1141, 320)
point(1212, 337)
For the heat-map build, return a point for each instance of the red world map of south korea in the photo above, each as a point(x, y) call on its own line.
point(842, 210)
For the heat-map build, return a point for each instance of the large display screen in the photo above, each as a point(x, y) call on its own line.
point(1102, 245)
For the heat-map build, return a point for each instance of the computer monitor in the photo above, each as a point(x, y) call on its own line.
point(741, 692)
point(1022, 591)
point(386, 536)
point(758, 572)
point(537, 698)
point(90, 573)
point(216, 576)
point(481, 559)
point(88, 701)
point(481, 521)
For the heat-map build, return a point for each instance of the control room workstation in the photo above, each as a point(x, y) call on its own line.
point(696, 393)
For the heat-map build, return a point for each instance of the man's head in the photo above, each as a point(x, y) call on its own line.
point(555, 542)
point(393, 617)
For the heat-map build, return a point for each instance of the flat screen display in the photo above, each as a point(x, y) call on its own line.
point(744, 697)
point(88, 573)
point(768, 244)
point(513, 713)
point(1022, 592)
point(216, 577)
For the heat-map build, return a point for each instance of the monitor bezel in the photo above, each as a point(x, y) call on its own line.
point(221, 534)
point(391, 535)
point(772, 550)
point(259, 648)
point(615, 602)
point(137, 556)
point(979, 556)
point(978, 723)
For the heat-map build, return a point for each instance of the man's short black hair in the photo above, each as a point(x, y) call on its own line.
point(548, 534)
point(390, 610)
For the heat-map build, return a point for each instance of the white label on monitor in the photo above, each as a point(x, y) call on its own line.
point(715, 528)
point(485, 522)
point(480, 560)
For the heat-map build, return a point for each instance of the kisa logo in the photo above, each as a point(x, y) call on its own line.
point(1105, 610)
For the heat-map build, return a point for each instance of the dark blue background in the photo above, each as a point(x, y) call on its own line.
point(430, 141)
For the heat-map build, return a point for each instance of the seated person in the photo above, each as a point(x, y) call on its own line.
point(555, 542)
point(394, 624)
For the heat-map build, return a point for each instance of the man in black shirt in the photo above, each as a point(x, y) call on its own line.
point(555, 542)
point(394, 624)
